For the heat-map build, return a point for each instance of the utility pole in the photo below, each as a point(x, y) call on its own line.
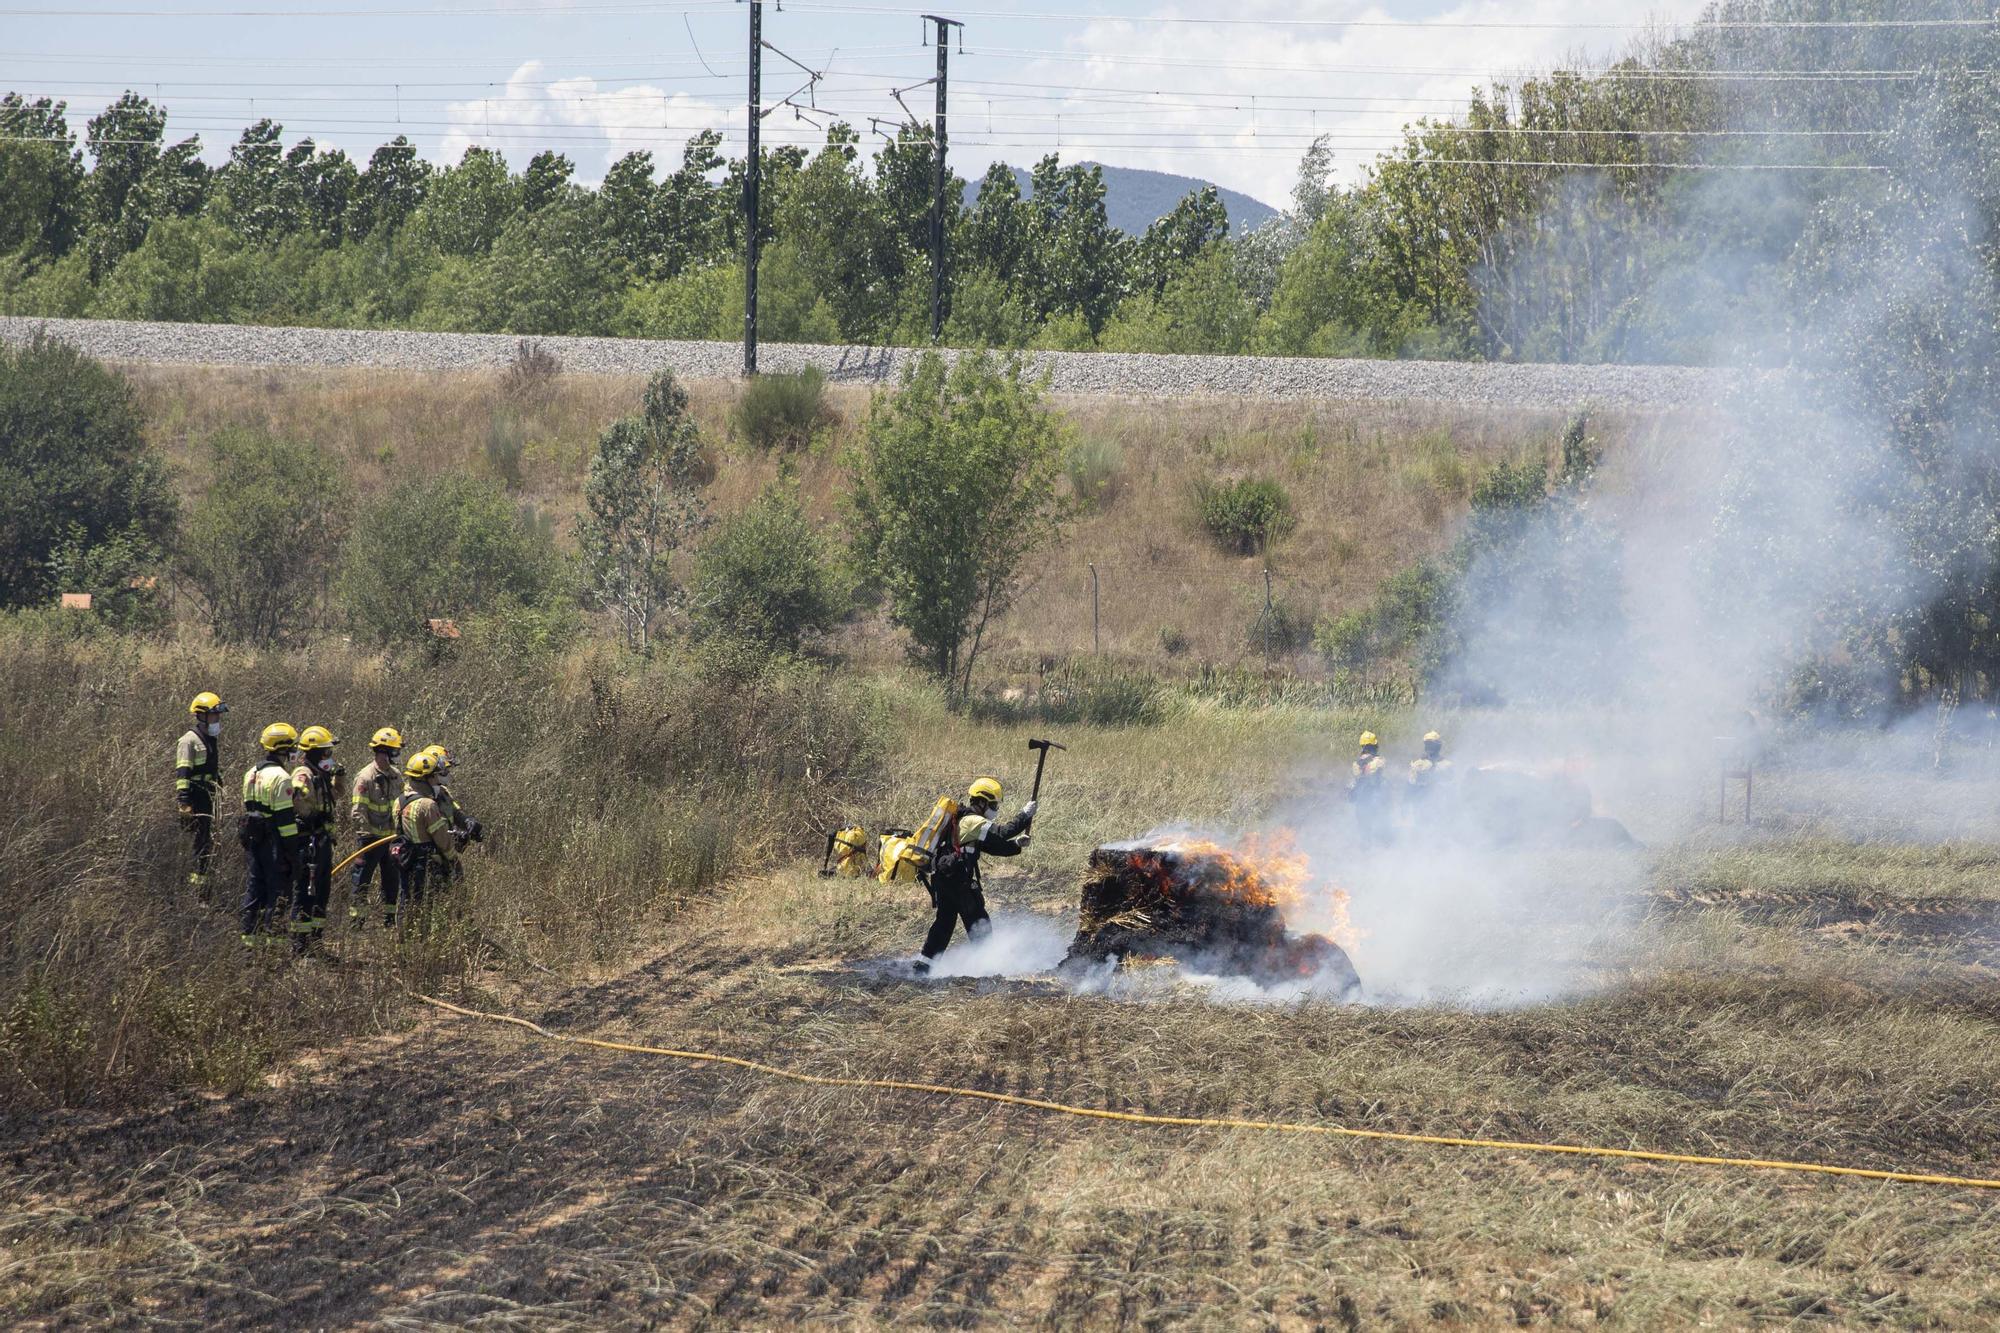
point(940, 176)
point(753, 171)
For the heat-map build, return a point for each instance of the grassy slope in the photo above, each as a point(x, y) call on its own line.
point(1375, 487)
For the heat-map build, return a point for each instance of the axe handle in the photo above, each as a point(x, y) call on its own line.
point(1040, 764)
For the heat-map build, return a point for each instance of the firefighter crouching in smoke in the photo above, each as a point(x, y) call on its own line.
point(1368, 791)
point(955, 885)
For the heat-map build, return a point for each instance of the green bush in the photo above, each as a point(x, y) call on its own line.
point(262, 544)
point(1096, 468)
point(767, 576)
point(783, 411)
point(75, 471)
point(448, 547)
point(1245, 515)
point(1082, 692)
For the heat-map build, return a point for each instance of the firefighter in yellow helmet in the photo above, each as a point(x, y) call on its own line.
point(956, 890)
point(464, 826)
point(269, 832)
point(315, 784)
point(373, 803)
point(423, 834)
point(197, 778)
point(1368, 790)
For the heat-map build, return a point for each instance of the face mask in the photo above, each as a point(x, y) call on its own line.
point(214, 728)
point(326, 764)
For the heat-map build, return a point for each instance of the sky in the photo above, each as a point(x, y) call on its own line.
point(1227, 92)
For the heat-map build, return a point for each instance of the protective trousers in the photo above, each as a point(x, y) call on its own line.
point(416, 869)
point(381, 859)
point(311, 888)
point(962, 902)
point(263, 877)
point(199, 824)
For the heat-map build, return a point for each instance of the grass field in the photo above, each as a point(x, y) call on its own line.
point(1777, 991)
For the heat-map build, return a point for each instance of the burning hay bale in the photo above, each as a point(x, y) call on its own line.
point(1204, 906)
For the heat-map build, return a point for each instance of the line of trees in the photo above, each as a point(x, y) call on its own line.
point(1440, 251)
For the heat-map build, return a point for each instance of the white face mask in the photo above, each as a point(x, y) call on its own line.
point(326, 764)
point(214, 728)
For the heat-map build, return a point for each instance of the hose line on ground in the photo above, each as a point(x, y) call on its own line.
point(357, 854)
point(1214, 1122)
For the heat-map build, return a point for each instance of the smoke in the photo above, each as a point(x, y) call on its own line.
point(1797, 578)
point(1016, 946)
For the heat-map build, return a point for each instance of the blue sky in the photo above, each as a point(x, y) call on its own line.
point(1233, 97)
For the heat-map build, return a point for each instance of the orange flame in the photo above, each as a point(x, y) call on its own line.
point(1269, 870)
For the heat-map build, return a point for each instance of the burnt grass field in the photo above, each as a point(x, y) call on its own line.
point(446, 1172)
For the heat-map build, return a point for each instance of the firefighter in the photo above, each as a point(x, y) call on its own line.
point(197, 778)
point(314, 783)
point(423, 833)
point(373, 803)
point(1428, 773)
point(1368, 791)
point(956, 890)
point(269, 832)
point(464, 827)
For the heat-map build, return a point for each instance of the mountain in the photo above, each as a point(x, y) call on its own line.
point(1134, 198)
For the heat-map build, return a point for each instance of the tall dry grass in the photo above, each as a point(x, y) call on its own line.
point(614, 789)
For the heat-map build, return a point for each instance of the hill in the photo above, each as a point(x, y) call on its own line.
point(1135, 198)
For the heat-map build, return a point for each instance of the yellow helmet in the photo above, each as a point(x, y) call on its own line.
point(437, 753)
point(208, 702)
point(386, 738)
point(1368, 739)
point(422, 766)
point(317, 738)
point(1432, 738)
point(278, 736)
point(984, 789)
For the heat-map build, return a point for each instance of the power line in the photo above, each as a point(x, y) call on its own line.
point(809, 6)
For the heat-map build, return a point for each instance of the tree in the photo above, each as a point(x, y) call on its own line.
point(1198, 223)
point(691, 208)
point(954, 487)
point(41, 178)
point(449, 547)
point(390, 190)
point(645, 506)
point(261, 197)
point(125, 141)
point(262, 544)
point(468, 205)
point(768, 576)
point(627, 212)
point(546, 181)
point(833, 220)
point(75, 470)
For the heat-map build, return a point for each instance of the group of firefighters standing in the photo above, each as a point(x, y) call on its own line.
point(1368, 785)
point(409, 827)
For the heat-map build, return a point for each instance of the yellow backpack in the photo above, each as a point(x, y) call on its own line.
point(899, 860)
point(850, 847)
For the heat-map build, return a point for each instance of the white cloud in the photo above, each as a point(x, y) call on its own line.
point(595, 125)
point(1262, 118)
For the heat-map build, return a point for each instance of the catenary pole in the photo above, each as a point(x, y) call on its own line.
point(941, 175)
point(753, 171)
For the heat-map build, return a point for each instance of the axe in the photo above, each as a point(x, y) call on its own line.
point(1041, 762)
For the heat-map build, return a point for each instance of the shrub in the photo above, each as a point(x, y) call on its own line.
point(1084, 692)
point(1281, 627)
point(530, 378)
point(1245, 515)
point(262, 543)
point(1096, 467)
point(450, 547)
point(768, 577)
point(783, 411)
point(75, 469)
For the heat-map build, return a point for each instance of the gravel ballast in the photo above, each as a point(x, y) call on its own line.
point(1469, 383)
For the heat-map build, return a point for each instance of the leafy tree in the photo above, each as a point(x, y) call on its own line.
point(698, 303)
point(327, 183)
point(125, 141)
point(190, 270)
point(691, 209)
point(176, 186)
point(645, 506)
point(41, 178)
point(994, 236)
point(467, 205)
point(627, 212)
point(1080, 259)
point(546, 181)
point(261, 547)
point(1196, 225)
point(450, 547)
point(954, 488)
point(390, 190)
point(547, 274)
point(76, 473)
point(834, 222)
point(768, 575)
point(1202, 309)
point(260, 193)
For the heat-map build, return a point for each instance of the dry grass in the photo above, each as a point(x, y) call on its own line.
point(467, 1174)
point(1374, 487)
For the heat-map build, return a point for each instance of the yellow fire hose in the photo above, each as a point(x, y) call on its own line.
point(358, 854)
point(1208, 1122)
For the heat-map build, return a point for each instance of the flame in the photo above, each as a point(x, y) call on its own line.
point(1268, 870)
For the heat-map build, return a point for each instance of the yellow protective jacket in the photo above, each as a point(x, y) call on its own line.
point(195, 765)
point(454, 813)
point(374, 799)
point(422, 822)
point(267, 795)
point(312, 796)
point(1429, 772)
point(1366, 783)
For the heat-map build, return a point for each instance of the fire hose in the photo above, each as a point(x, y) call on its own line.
point(1217, 1122)
point(357, 854)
